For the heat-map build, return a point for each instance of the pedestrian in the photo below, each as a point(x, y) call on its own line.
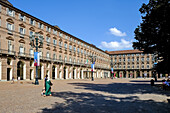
point(12, 80)
point(145, 75)
point(18, 79)
point(45, 81)
point(48, 87)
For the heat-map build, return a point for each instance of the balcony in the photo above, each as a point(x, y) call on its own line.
point(22, 54)
point(7, 52)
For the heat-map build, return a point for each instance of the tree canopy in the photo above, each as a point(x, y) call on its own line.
point(153, 34)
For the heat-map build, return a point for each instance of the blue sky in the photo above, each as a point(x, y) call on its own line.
point(108, 24)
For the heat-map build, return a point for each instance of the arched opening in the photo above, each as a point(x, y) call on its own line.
point(137, 74)
point(124, 74)
point(53, 72)
point(81, 74)
point(73, 73)
point(20, 70)
point(65, 72)
point(39, 71)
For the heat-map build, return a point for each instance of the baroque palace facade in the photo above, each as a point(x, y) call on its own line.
point(62, 56)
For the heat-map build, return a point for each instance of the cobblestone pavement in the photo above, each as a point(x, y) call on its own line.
point(85, 96)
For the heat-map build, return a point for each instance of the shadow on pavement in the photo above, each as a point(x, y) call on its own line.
point(98, 103)
point(144, 81)
point(120, 88)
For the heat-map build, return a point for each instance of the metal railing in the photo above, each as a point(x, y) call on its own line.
point(7, 52)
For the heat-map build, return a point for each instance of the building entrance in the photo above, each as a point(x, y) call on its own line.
point(20, 70)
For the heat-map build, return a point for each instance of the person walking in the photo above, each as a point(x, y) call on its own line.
point(45, 80)
point(48, 87)
point(145, 75)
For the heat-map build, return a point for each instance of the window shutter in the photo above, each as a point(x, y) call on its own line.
point(42, 26)
point(7, 11)
point(49, 29)
point(24, 31)
point(34, 22)
point(13, 12)
point(19, 16)
point(13, 28)
point(30, 20)
point(24, 18)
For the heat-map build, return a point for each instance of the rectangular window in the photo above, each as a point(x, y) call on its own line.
point(74, 49)
point(48, 40)
point(10, 12)
point(48, 29)
point(60, 34)
point(147, 66)
point(40, 25)
point(65, 45)
point(66, 37)
point(60, 44)
point(142, 59)
point(21, 49)
point(31, 52)
point(22, 17)
point(54, 42)
point(9, 46)
point(48, 55)
point(78, 50)
point(70, 39)
point(54, 56)
point(10, 26)
point(32, 33)
point(70, 47)
point(32, 22)
point(22, 30)
point(54, 32)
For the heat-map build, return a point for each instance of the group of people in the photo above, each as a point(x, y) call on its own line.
point(47, 85)
point(166, 82)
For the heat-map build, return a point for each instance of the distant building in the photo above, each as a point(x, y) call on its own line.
point(132, 63)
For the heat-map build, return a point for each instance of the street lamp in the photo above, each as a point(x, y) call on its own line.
point(38, 44)
point(111, 64)
point(93, 59)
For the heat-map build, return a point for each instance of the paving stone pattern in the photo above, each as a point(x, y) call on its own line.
point(85, 96)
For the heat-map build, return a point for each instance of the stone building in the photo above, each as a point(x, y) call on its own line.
point(132, 63)
point(62, 56)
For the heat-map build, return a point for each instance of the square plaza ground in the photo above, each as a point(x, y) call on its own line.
point(85, 96)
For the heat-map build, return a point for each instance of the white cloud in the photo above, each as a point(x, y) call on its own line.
point(116, 32)
point(123, 44)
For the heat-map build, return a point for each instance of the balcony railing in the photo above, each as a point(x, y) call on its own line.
point(7, 52)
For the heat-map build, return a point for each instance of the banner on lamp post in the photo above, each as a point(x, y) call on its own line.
point(112, 70)
point(92, 67)
point(36, 59)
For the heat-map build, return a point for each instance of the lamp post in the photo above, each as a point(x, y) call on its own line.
point(93, 59)
point(38, 40)
point(111, 64)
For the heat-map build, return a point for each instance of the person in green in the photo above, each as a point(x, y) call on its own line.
point(48, 87)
